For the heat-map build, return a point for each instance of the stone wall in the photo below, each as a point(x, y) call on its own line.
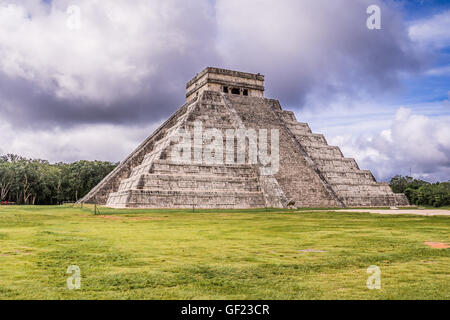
point(214, 79)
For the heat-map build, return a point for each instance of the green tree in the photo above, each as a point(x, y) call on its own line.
point(400, 183)
point(28, 181)
point(6, 178)
point(420, 192)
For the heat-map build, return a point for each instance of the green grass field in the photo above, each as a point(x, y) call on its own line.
point(251, 254)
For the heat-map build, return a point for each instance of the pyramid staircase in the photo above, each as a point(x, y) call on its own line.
point(353, 186)
point(158, 182)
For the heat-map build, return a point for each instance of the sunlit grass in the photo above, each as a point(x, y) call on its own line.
point(219, 254)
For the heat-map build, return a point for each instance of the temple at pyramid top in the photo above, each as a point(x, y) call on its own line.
point(226, 81)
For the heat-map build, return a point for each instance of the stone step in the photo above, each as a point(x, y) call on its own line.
point(350, 181)
point(324, 152)
point(166, 156)
point(287, 116)
point(376, 186)
point(360, 190)
point(336, 165)
point(376, 201)
point(213, 122)
point(130, 183)
point(311, 140)
point(339, 173)
point(353, 177)
point(244, 100)
point(185, 199)
point(360, 185)
point(194, 182)
point(211, 104)
point(210, 110)
point(235, 170)
point(209, 125)
point(141, 169)
point(327, 157)
point(299, 128)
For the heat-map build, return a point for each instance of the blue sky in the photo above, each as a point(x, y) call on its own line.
point(96, 91)
point(418, 9)
point(428, 88)
point(425, 93)
point(425, 87)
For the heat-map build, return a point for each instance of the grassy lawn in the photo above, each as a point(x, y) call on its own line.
point(249, 254)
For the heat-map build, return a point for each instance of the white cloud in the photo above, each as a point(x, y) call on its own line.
point(87, 142)
point(313, 51)
point(434, 31)
point(440, 71)
point(411, 141)
point(121, 48)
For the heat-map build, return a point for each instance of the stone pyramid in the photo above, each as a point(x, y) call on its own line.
point(310, 173)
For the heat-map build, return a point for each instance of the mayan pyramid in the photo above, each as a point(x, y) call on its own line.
point(310, 172)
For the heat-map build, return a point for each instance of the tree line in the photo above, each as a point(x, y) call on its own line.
point(35, 181)
point(420, 192)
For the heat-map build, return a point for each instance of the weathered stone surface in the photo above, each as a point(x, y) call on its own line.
point(311, 173)
point(220, 80)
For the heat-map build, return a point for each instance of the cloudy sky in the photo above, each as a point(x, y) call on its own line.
point(95, 87)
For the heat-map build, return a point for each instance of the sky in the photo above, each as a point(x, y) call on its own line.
point(91, 79)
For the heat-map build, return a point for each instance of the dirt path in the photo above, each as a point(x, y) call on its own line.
point(425, 212)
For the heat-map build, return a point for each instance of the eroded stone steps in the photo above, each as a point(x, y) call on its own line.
point(324, 152)
point(336, 165)
point(351, 184)
point(197, 182)
point(164, 168)
point(234, 170)
point(377, 200)
point(311, 139)
point(374, 188)
point(186, 199)
point(161, 167)
point(355, 174)
point(100, 192)
point(299, 128)
point(351, 180)
point(206, 126)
